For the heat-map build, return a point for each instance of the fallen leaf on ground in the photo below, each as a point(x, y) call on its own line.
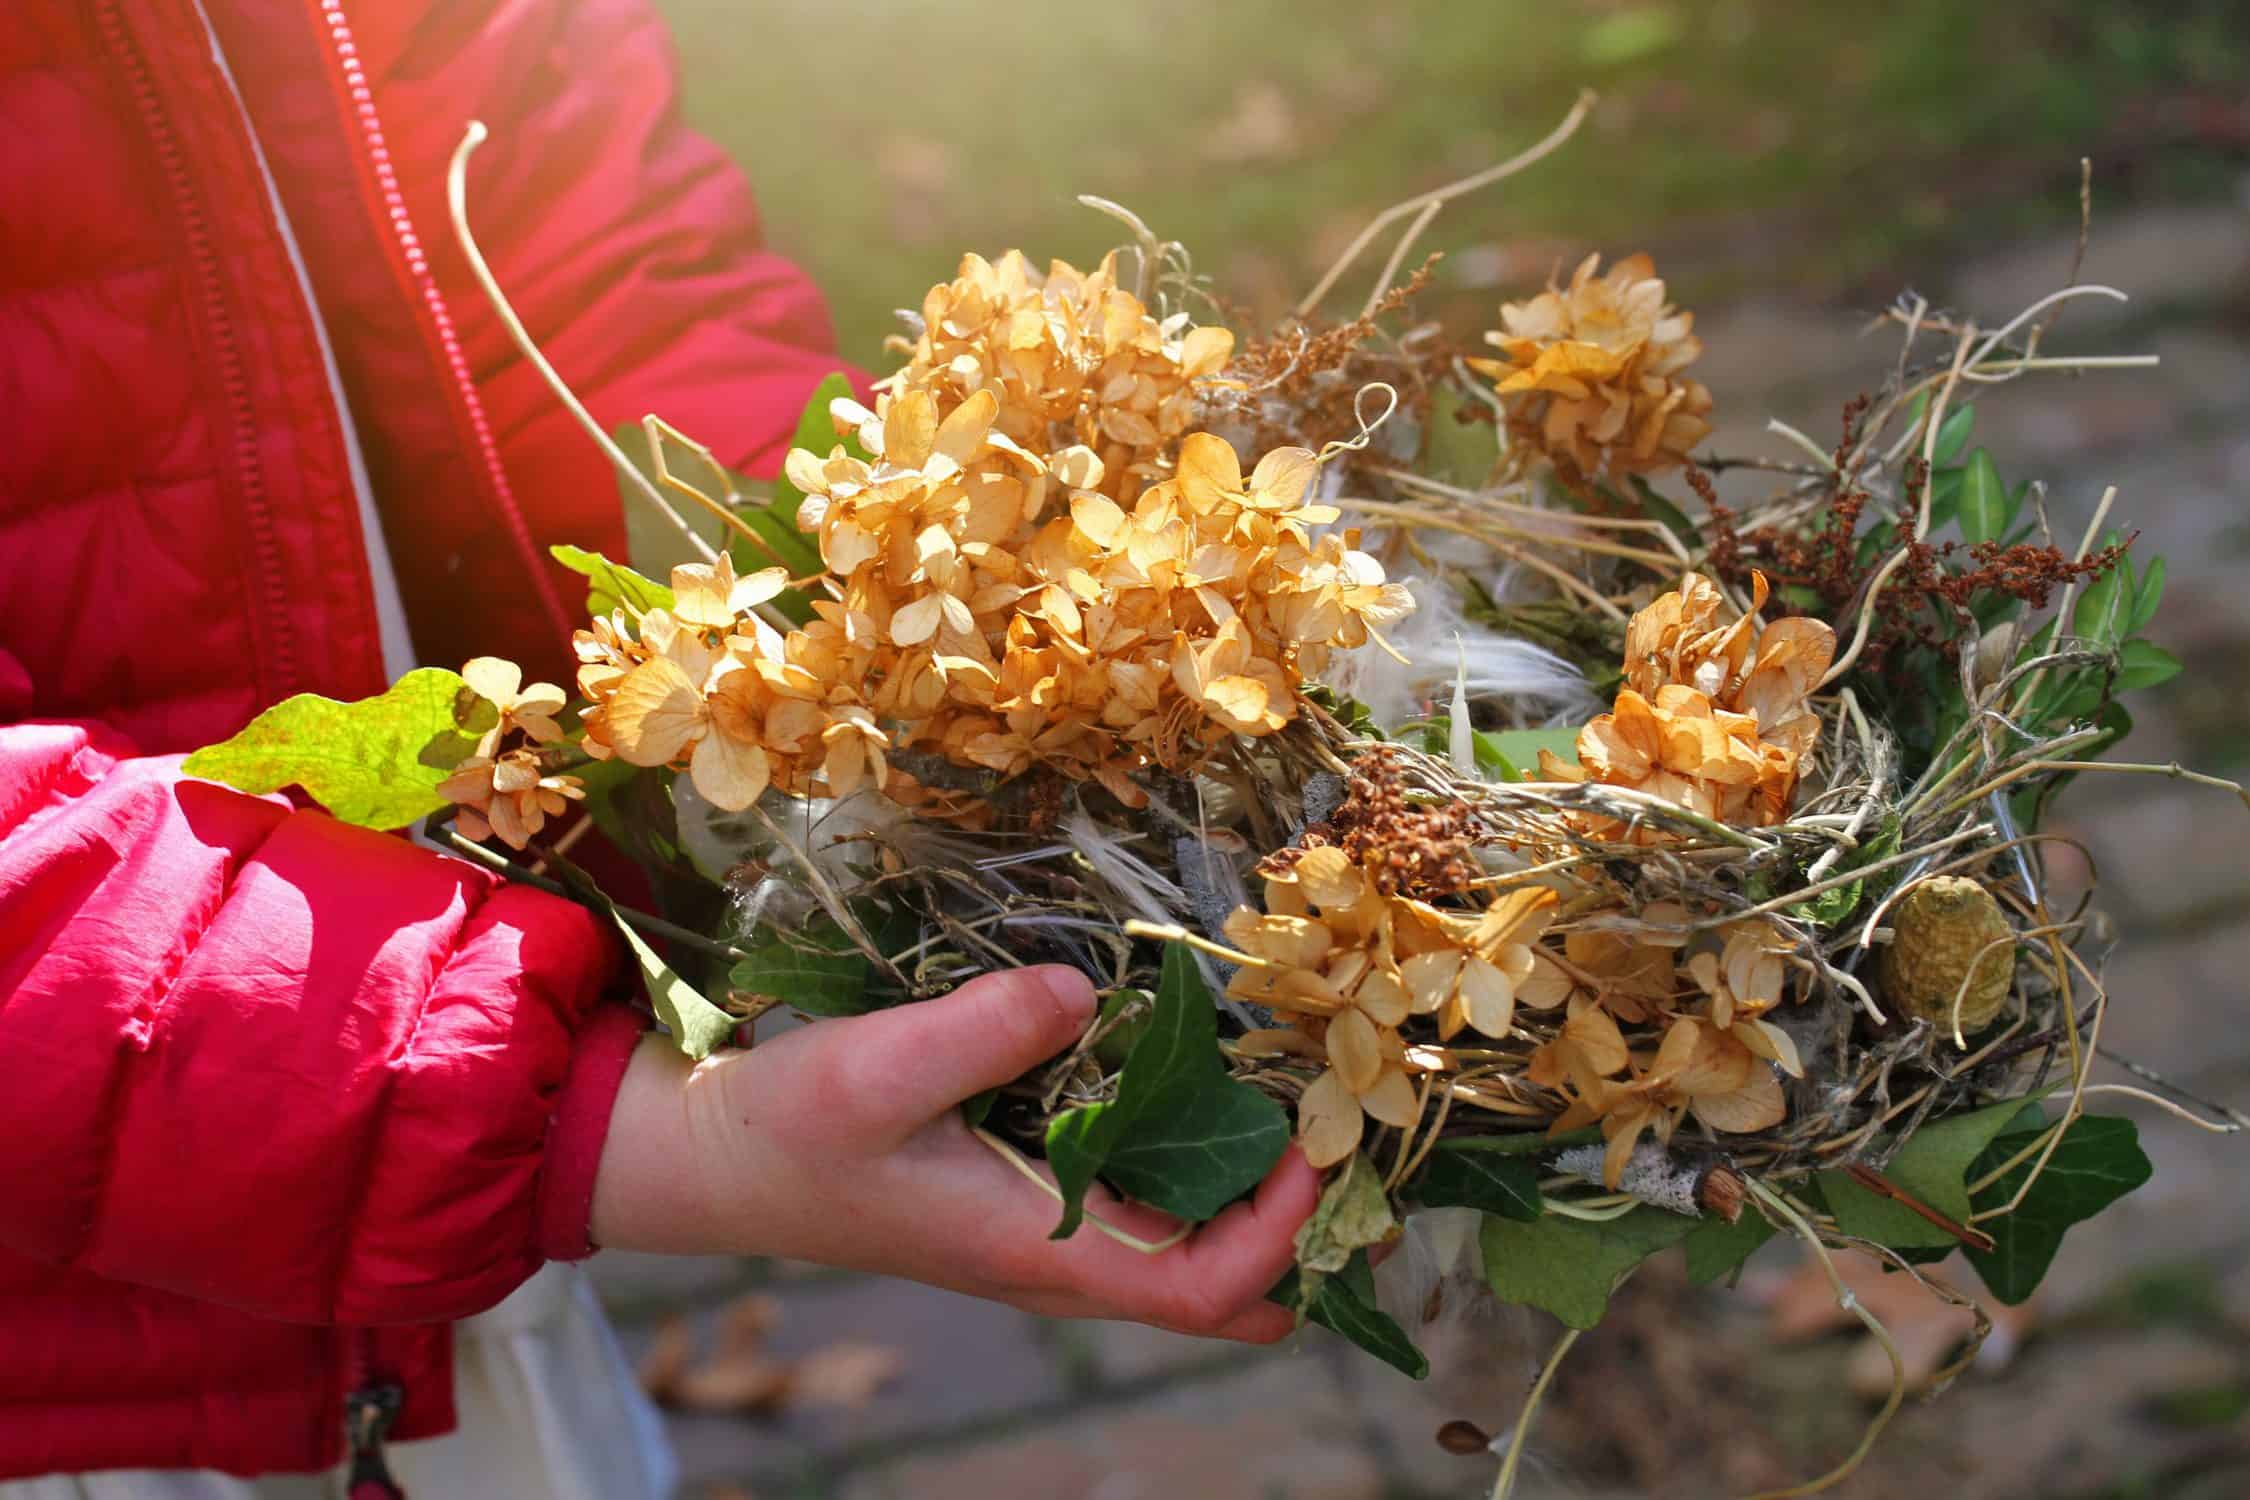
point(1802, 1305)
point(846, 1375)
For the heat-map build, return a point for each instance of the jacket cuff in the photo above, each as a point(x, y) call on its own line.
point(580, 1128)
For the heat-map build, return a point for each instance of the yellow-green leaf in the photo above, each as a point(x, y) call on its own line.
point(610, 584)
point(376, 763)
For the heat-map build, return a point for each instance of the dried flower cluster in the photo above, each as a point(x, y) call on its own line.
point(1349, 965)
point(1712, 1055)
point(999, 602)
point(1072, 358)
point(510, 792)
point(1414, 851)
point(1712, 716)
point(1590, 377)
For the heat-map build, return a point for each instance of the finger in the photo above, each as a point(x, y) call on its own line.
point(936, 1053)
point(1219, 1275)
point(1237, 1257)
point(1266, 1323)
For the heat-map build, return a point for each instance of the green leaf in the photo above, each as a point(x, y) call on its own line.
point(816, 431)
point(1521, 747)
point(1472, 1172)
point(1933, 1166)
point(1985, 508)
point(1953, 432)
point(1570, 1266)
point(1345, 1304)
point(1833, 905)
point(1945, 498)
point(1456, 452)
point(1181, 1135)
point(376, 763)
point(2104, 612)
point(977, 1108)
point(1716, 1247)
point(2147, 594)
point(698, 1027)
point(1657, 508)
point(1117, 1043)
point(2098, 1161)
point(1352, 1214)
point(2143, 664)
point(612, 584)
point(819, 971)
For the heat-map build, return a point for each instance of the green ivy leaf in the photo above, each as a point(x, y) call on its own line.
point(1715, 1247)
point(1345, 1304)
point(1468, 1172)
point(1985, 508)
point(2098, 1161)
point(1933, 1166)
point(376, 763)
point(819, 971)
point(612, 584)
point(1569, 1266)
point(2143, 664)
point(1180, 1136)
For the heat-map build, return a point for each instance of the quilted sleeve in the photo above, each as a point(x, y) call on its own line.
point(630, 243)
point(260, 1058)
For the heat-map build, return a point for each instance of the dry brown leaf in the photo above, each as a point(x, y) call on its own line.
point(667, 1359)
point(846, 1375)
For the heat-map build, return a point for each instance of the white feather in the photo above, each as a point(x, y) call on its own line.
point(1536, 685)
point(1131, 879)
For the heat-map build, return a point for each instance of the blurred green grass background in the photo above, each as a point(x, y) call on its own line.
point(1816, 148)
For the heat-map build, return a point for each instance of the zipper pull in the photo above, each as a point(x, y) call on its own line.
point(368, 1415)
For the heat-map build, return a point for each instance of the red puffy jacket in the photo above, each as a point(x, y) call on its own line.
point(280, 1098)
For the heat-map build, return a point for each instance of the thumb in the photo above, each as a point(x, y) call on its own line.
point(990, 1031)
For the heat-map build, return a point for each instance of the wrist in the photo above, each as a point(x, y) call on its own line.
point(578, 1130)
point(653, 1188)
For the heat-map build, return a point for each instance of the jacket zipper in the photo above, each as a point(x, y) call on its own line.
point(226, 348)
point(371, 1406)
point(425, 283)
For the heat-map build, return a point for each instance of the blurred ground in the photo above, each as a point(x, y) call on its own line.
point(1792, 178)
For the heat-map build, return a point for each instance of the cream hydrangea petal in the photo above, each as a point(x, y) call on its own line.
point(1354, 1050)
point(654, 712)
point(1329, 1121)
point(1392, 1100)
point(494, 678)
point(730, 773)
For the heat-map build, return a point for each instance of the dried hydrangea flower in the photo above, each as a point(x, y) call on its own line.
point(1697, 1068)
point(1713, 716)
point(1589, 373)
point(509, 796)
point(530, 709)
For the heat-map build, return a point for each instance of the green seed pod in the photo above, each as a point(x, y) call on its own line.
point(1941, 926)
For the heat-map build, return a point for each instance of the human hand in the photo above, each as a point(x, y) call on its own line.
point(842, 1143)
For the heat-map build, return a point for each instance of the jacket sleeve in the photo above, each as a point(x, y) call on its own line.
point(260, 1058)
point(628, 242)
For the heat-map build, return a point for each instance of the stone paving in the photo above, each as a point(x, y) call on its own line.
point(2147, 1312)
